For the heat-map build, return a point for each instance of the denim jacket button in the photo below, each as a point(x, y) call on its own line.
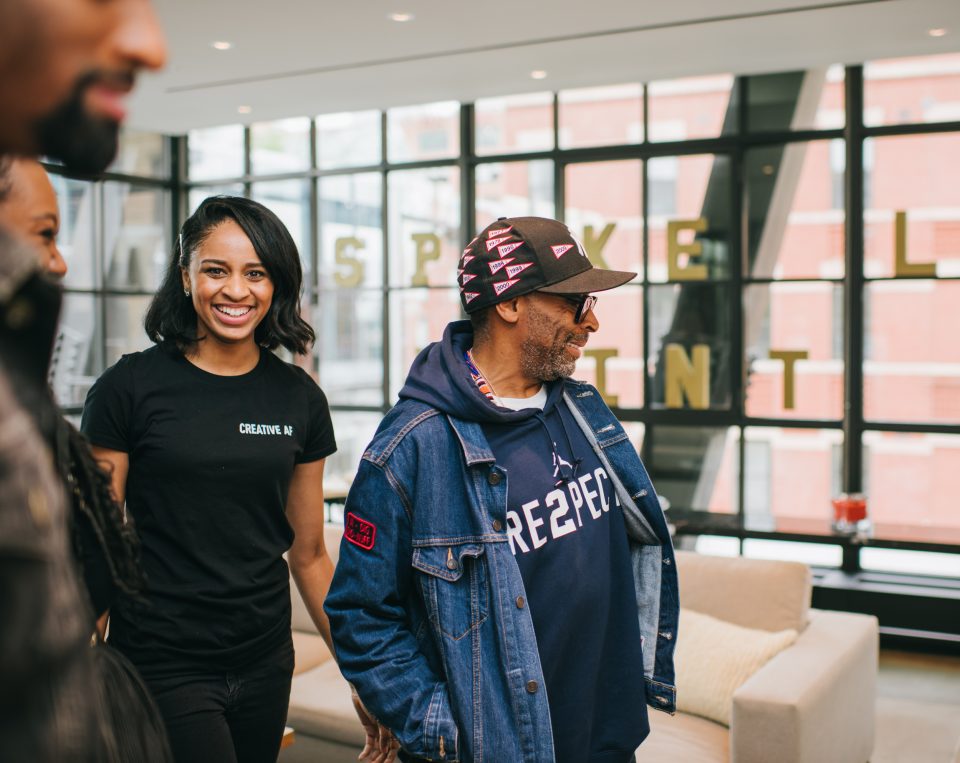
point(494, 478)
point(520, 602)
point(497, 525)
point(532, 687)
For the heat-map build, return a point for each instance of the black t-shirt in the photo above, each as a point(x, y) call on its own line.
point(566, 530)
point(211, 459)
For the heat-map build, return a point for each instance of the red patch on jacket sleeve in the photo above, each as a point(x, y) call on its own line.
point(359, 532)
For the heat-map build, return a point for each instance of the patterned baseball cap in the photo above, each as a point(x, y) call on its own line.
point(517, 255)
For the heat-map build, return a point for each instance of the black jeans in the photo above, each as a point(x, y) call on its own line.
point(227, 717)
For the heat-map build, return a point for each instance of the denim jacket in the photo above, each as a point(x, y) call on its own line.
point(424, 602)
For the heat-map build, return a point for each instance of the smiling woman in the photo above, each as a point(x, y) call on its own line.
point(218, 448)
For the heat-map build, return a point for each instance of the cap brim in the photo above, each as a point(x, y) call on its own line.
point(589, 281)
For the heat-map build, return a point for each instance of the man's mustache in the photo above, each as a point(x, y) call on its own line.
point(122, 80)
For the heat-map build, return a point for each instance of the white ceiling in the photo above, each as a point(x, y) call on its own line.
point(303, 57)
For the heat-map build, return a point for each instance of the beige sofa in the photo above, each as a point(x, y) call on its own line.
point(812, 703)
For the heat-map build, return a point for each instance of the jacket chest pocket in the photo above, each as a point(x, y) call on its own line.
point(454, 585)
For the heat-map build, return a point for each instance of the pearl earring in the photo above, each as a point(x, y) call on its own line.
point(186, 292)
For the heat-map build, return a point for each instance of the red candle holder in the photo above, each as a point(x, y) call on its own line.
point(850, 514)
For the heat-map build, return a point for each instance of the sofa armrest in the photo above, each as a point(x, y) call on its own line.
point(815, 701)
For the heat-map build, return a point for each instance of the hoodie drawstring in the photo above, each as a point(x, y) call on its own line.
point(559, 463)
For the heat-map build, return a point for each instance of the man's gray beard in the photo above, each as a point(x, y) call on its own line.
point(544, 363)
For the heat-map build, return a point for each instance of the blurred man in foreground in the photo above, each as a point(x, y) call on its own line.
point(65, 67)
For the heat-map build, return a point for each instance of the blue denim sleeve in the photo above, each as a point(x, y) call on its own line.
point(368, 606)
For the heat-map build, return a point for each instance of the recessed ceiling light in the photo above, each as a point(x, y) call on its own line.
point(538, 74)
point(244, 109)
point(937, 32)
point(221, 45)
point(401, 17)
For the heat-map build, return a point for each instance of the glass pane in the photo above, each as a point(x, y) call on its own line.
point(136, 243)
point(695, 467)
point(78, 352)
point(348, 139)
point(605, 209)
point(354, 431)
point(819, 554)
point(290, 201)
point(911, 482)
point(425, 237)
point(689, 359)
point(800, 100)
point(142, 153)
point(417, 318)
point(635, 431)
point(696, 107)
point(910, 562)
point(688, 209)
point(351, 231)
point(77, 201)
point(416, 133)
point(909, 90)
point(905, 174)
point(795, 210)
point(215, 152)
point(911, 370)
point(349, 348)
point(601, 116)
point(513, 124)
point(125, 332)
point(717, 545)
point(793, 335)
point(514, 189)
point(613, 359)
point(281, 146)
point(790, 477)
point(197, 195)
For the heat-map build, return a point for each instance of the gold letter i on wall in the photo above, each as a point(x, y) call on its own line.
point(600, 357)
point(902, 268)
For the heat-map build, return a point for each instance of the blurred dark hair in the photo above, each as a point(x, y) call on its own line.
point(88, 486)
point(130, 725)
point(171, 320)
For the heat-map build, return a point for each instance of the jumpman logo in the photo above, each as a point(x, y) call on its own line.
point(558, 461)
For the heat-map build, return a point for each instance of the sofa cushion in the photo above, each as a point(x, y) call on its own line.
point(714, 658)
point(683, 738)
point(754, 593)
point(310, 650)
point(320, 706)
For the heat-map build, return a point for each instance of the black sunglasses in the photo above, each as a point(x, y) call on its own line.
point(584, 304)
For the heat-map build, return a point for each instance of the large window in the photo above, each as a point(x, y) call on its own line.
point(115, 236)
point(783, 341)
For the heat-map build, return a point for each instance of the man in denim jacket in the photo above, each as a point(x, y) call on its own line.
point(506, 589)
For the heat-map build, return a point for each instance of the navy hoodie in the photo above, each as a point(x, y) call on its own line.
point(567, 534)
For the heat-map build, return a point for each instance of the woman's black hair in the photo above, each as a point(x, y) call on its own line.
point(171, 320)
